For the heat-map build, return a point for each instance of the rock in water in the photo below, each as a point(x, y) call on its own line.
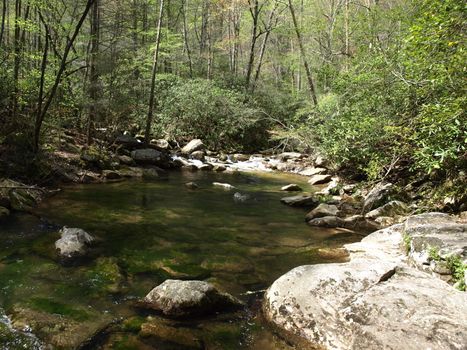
point(291, 188)
point(74, 242)
point(300, 201)
point(223, 185)
point(193, 146)
point(191, 185)
point(241, 198)
point(178, 298)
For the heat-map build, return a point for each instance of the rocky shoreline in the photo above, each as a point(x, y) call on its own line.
point(392, 293)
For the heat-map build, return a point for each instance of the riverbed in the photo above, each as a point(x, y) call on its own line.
point(147, 232)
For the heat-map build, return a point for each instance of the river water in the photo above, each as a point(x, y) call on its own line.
point(149, 231)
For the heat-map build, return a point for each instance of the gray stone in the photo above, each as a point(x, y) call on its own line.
point(126, 160)
point(319, 179)
point(375, 301)
point(199, 155)
point(219, 167)
point(300, 201)
point(326, 221)
point(225, 186)
point(192, 146)
point(291, 188)
point(378, 196)
point(322, 210)
point(241, 197)
point(147, 156)
point(192, 185)
point(238, 157)
point(128, 141)
point(205, 166)
point(111, 175)
point(74, 242)
point(289, 155)
point(392, 208)
point(161, 144)
point(312, 171)
point(178, 298)
point(150, 173)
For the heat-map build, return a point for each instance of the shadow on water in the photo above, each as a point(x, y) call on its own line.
point(150, 231)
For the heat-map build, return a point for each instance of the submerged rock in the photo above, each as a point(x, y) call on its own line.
point(291, 188)
point(74, 242)
point(241, 197)
point(192, 146)
point(225, 186)
point(300, 201)
point(59, 325)
point(178, 298)
point(192, 185)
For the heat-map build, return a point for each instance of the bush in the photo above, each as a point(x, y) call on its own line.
point(200, 109)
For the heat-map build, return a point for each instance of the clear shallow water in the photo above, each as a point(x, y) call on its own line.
point(151, 231)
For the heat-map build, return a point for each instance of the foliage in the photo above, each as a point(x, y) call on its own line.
point(200, 109)
point(454, 263)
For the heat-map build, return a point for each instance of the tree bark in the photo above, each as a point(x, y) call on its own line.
point(153, 75)
point(2, 28)
point(93, 74)
point(58, 77)
point(185, 38)
point(309, 76)
point(254, 11)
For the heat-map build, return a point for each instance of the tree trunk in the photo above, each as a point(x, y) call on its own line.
point(185, 39)
point(263, 46)
point(254, 11)
point(311, 85)
point(2, 28)
point(58, 77)
point(153, 76)
point(93, 74)
point(17, 59)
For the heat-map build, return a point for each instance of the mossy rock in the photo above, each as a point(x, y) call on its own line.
point(163, 333)
point(4, 213)
point(227, 264)
point(106, 276)
point(58, 324)
point(185, 271)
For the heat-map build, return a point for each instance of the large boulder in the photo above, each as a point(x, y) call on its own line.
point(375, 301)
point(392, 208)
point(378, 196)
point(74, 243)
point(192, 146)
point(177, 298)
point(149, 156)
point(321, 211)
point(300, 201)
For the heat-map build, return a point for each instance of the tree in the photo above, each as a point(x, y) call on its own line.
point(153, 74)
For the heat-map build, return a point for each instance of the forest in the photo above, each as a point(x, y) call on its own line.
point(374, 85)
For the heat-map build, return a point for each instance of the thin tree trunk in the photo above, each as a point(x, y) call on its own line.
point(2, 29)
point(58, 78)
point(42, 80)
point(93, 74)
point(254, 11)
point(17, 59)
point(263, 46)
point(153, 76)
point(185, 38)
point(311, 85)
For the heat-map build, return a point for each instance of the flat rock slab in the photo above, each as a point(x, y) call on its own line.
point(291, 188)
point(193, 146)
point(319, 179)
point(300, 201)
point(177, 298)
